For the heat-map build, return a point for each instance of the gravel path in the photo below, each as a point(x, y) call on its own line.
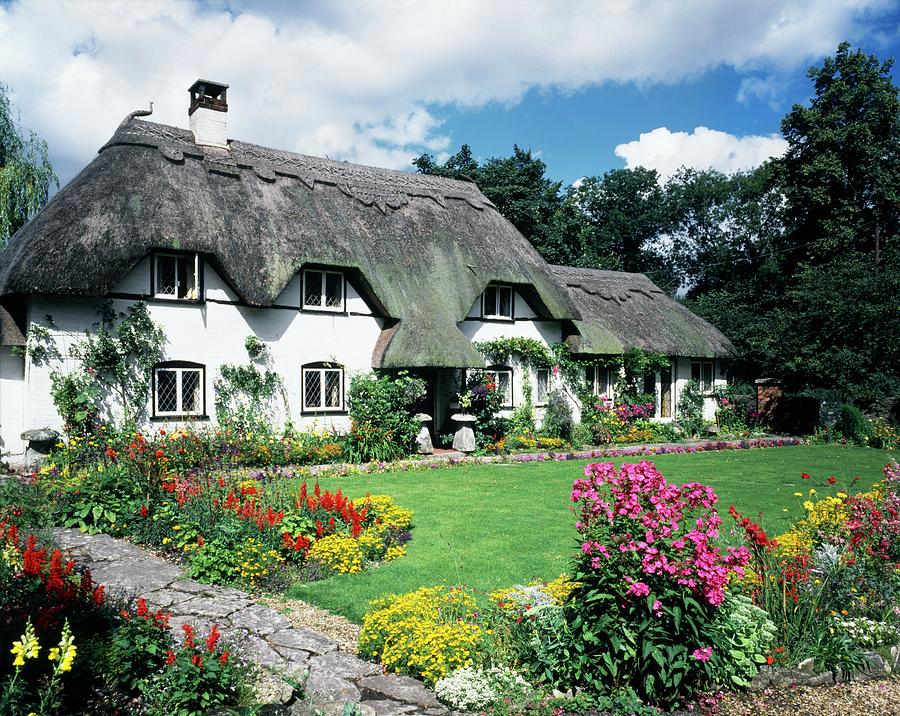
point(874, 698)
point(307, 616)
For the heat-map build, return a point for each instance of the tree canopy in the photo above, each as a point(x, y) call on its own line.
point(26, 175)
point(797, 261)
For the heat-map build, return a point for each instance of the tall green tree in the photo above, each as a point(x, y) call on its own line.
point(840, 175)
point(26, 175)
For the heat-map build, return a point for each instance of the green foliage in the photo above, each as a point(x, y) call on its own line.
point(75, 396)
point(530, 352)
point(256, 349)
point(26, 175)
point(482, 398)
point(744, 635)
point(853, 425)
point(99, 500)
point(557, 421)
point(690, 408)
point(382, 411)
point(118, 357)
point(244, 396)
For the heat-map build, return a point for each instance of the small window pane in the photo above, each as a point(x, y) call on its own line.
point(490, 301)
point(332, 389)
point(503, 385)
point(543, 384)
point(166, 391)
point(312, 389)
point(312, 291)
point(603, 381)
point(334, 290)
point(190, 391)
point(166, 279)
point(695, 372)
point(707, 377)
point(505, 308)
point(589, 378)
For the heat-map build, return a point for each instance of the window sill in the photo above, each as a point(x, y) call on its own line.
point(173, 299)
point(178, 418)
point(502, 319)
point(323, 411)
point(323, 309)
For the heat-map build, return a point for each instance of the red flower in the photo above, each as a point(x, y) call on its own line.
point(831, 480)
point(160, 454)
point(770, 660)
point(223, 657)
point(170, 657)
point(143, 510)
point(197, 660)
point(213, 638)
point(111, 454)
point(805, 476)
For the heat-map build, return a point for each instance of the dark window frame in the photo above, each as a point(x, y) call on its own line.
point(706, 390)
point(321, 366)
point(322, 308)
point(178, 365)
point(495, 315)
point(178, 255)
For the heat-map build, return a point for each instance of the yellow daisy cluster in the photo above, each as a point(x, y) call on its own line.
point(427, 633)
point(27, 647)
point(394, 552)
point(338, 552)
point(255, 561)
point(386, 511)
point(12, 556)
point(792, 544)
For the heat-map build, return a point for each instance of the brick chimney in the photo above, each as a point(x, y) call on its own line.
point(208, 112)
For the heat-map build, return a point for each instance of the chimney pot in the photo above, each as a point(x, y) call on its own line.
point(207, 113)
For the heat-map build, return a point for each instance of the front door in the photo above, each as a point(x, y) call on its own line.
point(665, 392)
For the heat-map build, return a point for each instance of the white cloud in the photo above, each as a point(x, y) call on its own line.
point(703, 148)
point(362, 80)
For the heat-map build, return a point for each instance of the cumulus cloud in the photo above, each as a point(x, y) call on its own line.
point(367, 81)
point(704, 148)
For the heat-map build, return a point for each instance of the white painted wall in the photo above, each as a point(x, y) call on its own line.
point(212, 333)
point(12, 401)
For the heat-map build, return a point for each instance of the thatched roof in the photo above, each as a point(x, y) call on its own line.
point(424, 246)
point(626, 310)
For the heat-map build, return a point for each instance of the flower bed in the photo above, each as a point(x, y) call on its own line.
point(75, 650)
point(663, 609)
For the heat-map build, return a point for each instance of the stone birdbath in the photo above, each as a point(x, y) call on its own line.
point(40, 443)
point(464, 438)
point(423, 439)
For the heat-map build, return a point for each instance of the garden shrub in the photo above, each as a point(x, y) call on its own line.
point(426, 634)
point(651, 581)
point(852, 424)
point(482, 398)
point(690, 408)
point(745, 633)
point(382, 409)
point(557, 421)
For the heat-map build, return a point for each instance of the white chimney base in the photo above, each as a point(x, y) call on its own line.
point(209, 127)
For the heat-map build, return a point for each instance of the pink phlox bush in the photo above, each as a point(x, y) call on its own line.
point(633, 522)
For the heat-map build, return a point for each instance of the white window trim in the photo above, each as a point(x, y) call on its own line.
point(321, 306)
point(537, 382)
point(178, 257)
point(494, 315)
point(179, 395)
point(706, 390)
point(321, 370)
point(596, 388)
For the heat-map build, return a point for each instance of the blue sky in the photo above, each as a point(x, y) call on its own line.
point(589, 86)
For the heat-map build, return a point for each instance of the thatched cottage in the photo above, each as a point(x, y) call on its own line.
point(337, 268)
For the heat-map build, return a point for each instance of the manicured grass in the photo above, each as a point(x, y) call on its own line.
point(489, 526)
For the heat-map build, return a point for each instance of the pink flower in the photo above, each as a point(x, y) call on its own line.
point(703, 654)
point(637, 589)
point(657, 608)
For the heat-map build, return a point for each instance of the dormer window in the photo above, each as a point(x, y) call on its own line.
point(323, 290)
point(497, 302)
point(176, 277)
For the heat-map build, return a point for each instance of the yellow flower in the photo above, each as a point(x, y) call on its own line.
point(27, 647)
point(798, 494)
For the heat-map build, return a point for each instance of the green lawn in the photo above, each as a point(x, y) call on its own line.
point(489, 526)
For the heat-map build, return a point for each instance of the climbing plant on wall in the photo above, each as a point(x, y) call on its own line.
point(244, 393)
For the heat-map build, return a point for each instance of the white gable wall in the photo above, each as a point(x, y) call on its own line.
point(12, 401)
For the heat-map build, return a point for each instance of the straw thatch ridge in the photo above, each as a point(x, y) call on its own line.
point(626, 310)
point(425, 246)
